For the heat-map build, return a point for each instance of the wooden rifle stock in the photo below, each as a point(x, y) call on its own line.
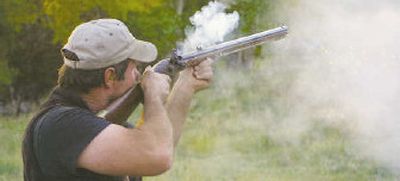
point(119, 111)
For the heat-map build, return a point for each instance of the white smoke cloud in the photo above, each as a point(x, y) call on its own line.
point(346, 55)
point(210, 26)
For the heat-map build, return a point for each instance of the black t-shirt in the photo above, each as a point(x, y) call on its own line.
point(60, 136)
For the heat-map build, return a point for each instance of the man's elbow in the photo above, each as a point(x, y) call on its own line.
point(162, 162)
point(166, 159)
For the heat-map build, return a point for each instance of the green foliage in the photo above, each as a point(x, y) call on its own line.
point(36, 59)
point(6, 74)
point(6, 35)
point(65, 15)
point(19, 12)
point(251, 11)
point(160, 26)
point(253, 18)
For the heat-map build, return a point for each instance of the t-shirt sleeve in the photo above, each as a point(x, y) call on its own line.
point(62, 137)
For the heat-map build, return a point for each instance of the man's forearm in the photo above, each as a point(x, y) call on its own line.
point(178, 105)
point(157, 122)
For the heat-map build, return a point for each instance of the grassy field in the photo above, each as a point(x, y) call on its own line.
point(229, 136)
point(11, 131)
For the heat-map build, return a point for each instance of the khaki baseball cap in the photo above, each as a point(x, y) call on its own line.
point(104, 42)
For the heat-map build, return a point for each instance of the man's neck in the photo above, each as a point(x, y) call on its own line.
point(96, 100)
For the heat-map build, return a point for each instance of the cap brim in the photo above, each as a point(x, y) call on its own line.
point(144, 51)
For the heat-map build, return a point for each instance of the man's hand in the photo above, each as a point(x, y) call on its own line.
point(155, 84)
point(198, 77)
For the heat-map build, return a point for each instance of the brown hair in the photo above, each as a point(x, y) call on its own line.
point(82, 81)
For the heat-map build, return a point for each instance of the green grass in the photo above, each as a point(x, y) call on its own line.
point(231, 134)
point(11, 132)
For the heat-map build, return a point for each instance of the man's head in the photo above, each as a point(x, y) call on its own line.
point(101, 50)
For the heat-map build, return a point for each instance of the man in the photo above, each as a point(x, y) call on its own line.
point(67, 141)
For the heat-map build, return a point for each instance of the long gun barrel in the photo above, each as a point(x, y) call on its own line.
point(120, 110)
point(176, 63)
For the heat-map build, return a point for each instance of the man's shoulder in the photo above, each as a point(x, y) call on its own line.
point(58, 113)
point(67, 109)
point(60, 136)
point(64, 117)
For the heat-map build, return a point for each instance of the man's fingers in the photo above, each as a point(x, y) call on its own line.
point(147, 69)
point(204, 65)
point(166, 77)
point(203, 70)
point(204, 74)
point(206, 62)
point(150, 74)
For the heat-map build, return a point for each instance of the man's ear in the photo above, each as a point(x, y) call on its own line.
point(109, 77)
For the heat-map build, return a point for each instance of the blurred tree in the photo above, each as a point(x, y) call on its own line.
point(160, 26)
point(179, 5)
point(36, 58)
point(164, 25)
point(32, 31)
point(6, 35)
point(252, 20)
point(7, 31)
point(32, 35)
point(6, 73)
